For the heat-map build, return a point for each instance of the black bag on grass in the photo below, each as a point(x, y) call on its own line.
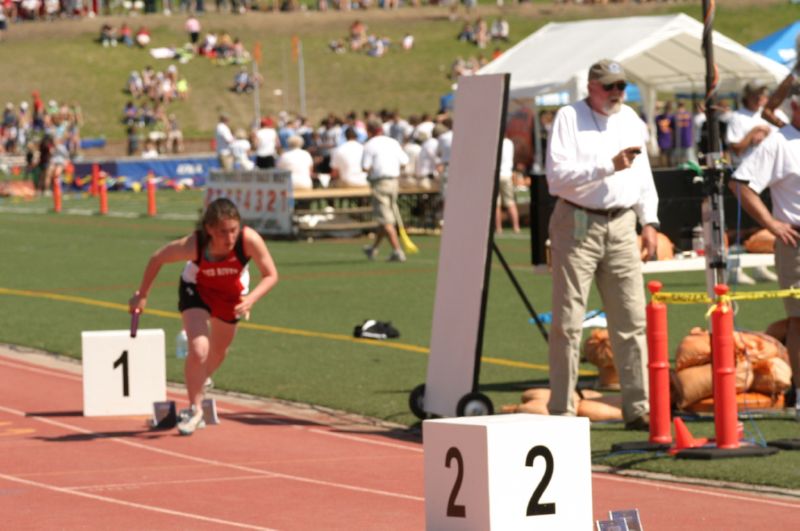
point(372, 329)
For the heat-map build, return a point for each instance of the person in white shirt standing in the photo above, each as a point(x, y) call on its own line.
point(505, 193)
point(775, 164)
point(383, 161)
point(223, 138)
point(604, 185)
point(266, 141)
point(746, 130)
point(346, 162)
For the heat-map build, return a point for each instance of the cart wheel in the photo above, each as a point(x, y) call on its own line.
point(473, 405)
point(416, 402)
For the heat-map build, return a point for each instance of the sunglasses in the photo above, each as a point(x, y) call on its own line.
point(619, 85)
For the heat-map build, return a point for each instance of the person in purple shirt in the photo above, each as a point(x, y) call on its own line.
point(665, 129)
point(684, 135)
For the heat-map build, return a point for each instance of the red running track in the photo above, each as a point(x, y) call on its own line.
point(266, 466)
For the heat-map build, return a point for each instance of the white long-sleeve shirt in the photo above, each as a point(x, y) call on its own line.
point(775, 164)
point(580, 167)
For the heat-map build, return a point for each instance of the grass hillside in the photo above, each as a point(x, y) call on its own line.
point(63, 61)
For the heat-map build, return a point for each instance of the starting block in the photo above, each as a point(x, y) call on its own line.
point(505, 472)
point(210, 411)
point(165, 414)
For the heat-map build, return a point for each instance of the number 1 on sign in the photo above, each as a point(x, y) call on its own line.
point(123, 360)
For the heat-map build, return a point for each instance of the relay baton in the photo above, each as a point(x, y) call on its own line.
point(135, 322)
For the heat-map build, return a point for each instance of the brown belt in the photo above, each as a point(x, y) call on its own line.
point(610, 213)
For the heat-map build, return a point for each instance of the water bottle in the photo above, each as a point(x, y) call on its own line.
point(698, 242)
point(181, 345)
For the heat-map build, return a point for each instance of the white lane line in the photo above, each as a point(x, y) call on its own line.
point(693, 490)
point(213, 462)
point(356, 438)
point(179, 397)
point(134, 505)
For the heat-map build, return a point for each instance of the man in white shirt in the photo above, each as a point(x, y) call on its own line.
point(383, 161)
point(746, 130)
point(266, 144)
point(223, 138)
point(298, 162)
point(775, 164)
point(604, 185)
point(346, 162)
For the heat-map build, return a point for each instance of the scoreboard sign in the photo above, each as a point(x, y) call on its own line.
point(264, 197)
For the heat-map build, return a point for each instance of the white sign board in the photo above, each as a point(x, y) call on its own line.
point(264, 197)
point(123, 375)
point(472, 177)
point(507, 472)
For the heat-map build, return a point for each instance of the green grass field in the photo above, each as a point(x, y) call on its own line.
point(63, 61)
point(63, 274)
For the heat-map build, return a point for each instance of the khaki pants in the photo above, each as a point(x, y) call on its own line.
point(608, 254)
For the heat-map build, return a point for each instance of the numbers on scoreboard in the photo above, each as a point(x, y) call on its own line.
point(534, 507)
point(123, 360)
point(453, 509)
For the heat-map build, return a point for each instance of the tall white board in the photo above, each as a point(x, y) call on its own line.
point(464, 253)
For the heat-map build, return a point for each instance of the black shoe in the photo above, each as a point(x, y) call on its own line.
point(639, 423)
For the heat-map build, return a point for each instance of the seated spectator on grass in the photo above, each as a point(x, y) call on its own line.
point(126, 35)
point(129, 113)
point(242, 82)
point(407, 42)
point(358, 35)
point(298, 162)
point(467, 33)
point(377, 46)
point(500, 30)
point(107, 36)
point(135, 84)
point(182, 89)
point(143, 37)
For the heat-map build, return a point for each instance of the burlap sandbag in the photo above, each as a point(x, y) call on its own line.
point(757, 347)
point(695, 383)
point(603, 408)
point(744, 401)
point(597, 351)
point(543, 393)
point(762, 241)
point(772, 377)
point(693, 350)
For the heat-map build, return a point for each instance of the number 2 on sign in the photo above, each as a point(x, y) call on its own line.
point(123, 360)
point(534, 507)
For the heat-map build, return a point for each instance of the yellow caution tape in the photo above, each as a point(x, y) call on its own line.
point(703, 298)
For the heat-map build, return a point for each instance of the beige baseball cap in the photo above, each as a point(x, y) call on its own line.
point(607, 71)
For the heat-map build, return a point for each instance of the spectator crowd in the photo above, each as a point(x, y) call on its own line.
point(47, 134)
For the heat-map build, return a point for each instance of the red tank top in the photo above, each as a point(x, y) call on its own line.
point(220, 282)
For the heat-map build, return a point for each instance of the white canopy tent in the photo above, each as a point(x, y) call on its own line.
point(659, 54)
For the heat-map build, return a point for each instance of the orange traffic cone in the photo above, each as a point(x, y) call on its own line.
point(684, 438)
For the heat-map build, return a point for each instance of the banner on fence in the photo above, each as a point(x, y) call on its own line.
point(264, 197)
